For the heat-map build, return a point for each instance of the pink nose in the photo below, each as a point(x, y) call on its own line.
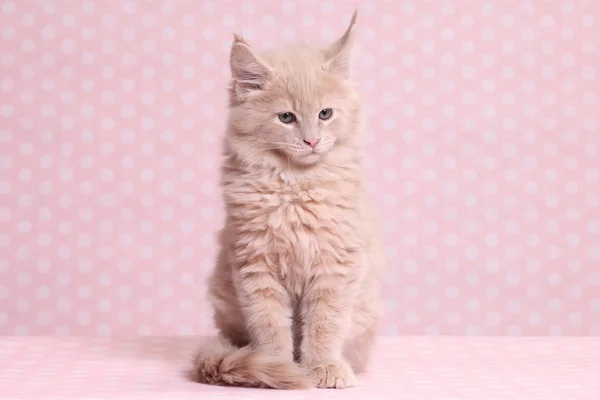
point(312, 142)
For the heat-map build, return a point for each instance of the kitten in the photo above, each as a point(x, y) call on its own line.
point(296, 286)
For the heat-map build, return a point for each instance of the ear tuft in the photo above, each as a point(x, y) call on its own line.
point(239, 39)
point(338, 55)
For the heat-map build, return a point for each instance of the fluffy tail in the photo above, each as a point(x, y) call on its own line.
point(220, 363)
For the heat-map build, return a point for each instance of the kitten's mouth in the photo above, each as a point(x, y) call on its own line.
point(304, 159)
point(312, 157)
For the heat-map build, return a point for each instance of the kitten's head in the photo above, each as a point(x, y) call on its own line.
point(295, 104)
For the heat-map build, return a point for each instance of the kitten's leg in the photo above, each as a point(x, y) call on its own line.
point(267, 310)
point(326, 308)
point(357, 350)
point(229, 319)
point(228, 316)
point(366, 314)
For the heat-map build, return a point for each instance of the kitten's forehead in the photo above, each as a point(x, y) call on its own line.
point(300, 74)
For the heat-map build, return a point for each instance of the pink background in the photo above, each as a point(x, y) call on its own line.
point(483, 147)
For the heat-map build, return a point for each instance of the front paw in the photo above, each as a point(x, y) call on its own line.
point(332, 374)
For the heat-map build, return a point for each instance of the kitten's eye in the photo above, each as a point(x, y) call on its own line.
point(287, 117)
point(325, 114)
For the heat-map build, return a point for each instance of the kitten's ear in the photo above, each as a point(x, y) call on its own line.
point(337, 56)
point(248, 72)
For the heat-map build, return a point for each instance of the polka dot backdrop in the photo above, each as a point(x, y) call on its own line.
point(483, 145)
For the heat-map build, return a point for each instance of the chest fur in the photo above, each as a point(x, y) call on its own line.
point(296, 227)
point(309, 227)
point(307, 237)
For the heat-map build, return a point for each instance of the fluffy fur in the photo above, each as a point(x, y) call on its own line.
point(296, 286)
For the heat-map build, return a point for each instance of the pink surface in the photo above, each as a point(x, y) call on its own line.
point(403, 368)
point(483, 148)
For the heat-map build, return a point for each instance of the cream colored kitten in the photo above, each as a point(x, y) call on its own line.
point(296, 285)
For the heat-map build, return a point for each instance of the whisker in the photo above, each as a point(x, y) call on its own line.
point(252, 140)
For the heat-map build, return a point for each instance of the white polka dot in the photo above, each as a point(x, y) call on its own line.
point(472, 305)
point(448, 34)
point(124, 318)
point(453, 318)
point(84, 292)
point(492, 292)
point(168, 33)
point(534, 318)
point(43, 292)
point(448, 60)
point(186, 305)
point(411, 318)
point(472, 252)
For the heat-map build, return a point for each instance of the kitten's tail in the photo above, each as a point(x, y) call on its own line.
point(220, 363)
